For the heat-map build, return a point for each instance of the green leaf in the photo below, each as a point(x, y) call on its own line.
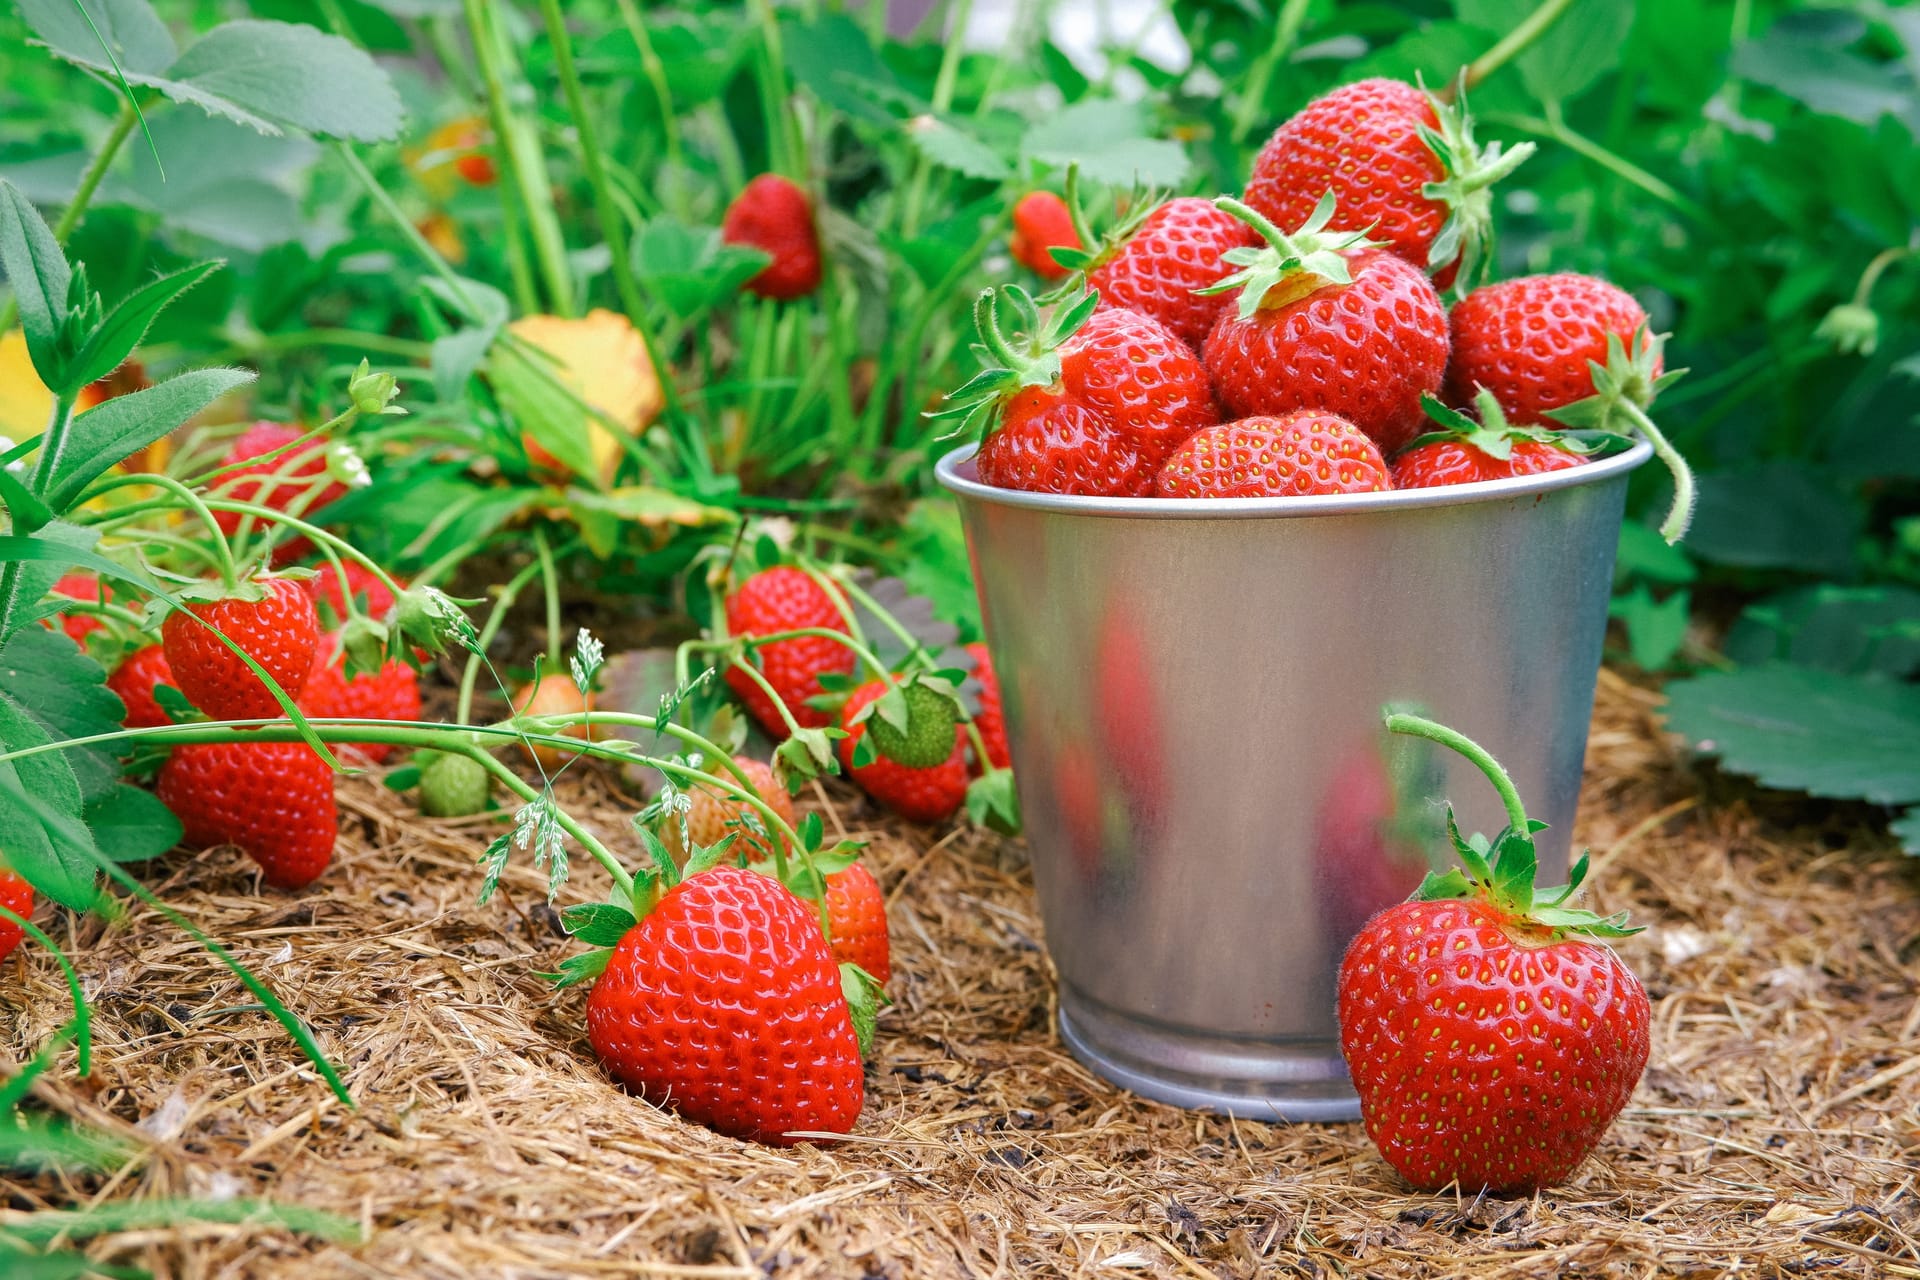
point(42, 562)
point(1858, 630)
point(37, 273)
point(1794, 727)
point(813, 830)
point(584, 967)
point(1515, 864)
point(1906, 829)
point(952, 147)
point(1643, 553)
point(1804, 57)
point(125, 327)
point(1655, 627)
point(1776, 515)
point(863, 994)
point(993, 803)
point(598, 924)
point(541, 407)
point(274, 76)
point(1582, 45)
point(40, 826)
point(131, 825)
point(165, 1214)
point(691, 269)
point(1112, 141)
point(139, 40)
point(832, 58)
point(105, 435)
point(54, 681)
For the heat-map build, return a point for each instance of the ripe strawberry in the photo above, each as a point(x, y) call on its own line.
point(1464, 451)
point(295, 482)
point(1290, 456)
point(16, 895)
point(713, 814)
point(1042, 221)
point(79, 586)
point(923, 795)
point(453, 786)
point(360, 584)
point(1529, 341)
point(773, 215)
point(1156, 269)
point(272, 799)
point(857, 914)
point(1399, 162)
point(391, 693)
point(1323, 323)
point(787, 599)
point(279, 630)
point(554, 694)
point(724, 1002)
point(989, 720)
point(1491, 1038)
point(1091, 405)
point(134, 680)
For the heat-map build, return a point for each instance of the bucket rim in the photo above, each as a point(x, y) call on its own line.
point(955, 472)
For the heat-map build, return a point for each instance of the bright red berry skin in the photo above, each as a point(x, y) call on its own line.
point(773, 215)
point(1445, 462)
point(16, 895)
point(134, 680)
point(287, 483)
point(1176, 251)
point(1365, 351)
point(391, 693)
point(1129, 392)
point(989, 720)
point(787, 599)
point(1291, 456)
point(922, 795)
point(724, 1003)
point(272, 799)
point(1362, 142)
point(361, 583)
point(1041, 221)
point(1529, 340)
point(279, 632)
point(857, 913)
point(79, 586)
point(1483, 1059)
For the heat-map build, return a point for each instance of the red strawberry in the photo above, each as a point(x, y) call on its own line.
point(990, 722)
point(1291, 456)
point(1042, 221)
point(279, 631)
point(923, 795)
point(1177, 250)
point(295, 482)
point(1491, 1038)
point(1463, 450)
point(857, 914)
point(724, 1002)
point(391, 693)
point(134, 680)
point(1092, 405)
point(773, 215)
point(713, 814)
point(1529, 341)
point(361, 584)
point(787, 599)
point(1399, 164)
point(16, 895)
point(272, 799)
point(1320, 324)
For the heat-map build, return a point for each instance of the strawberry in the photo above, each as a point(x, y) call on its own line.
point(1323, 322)
point(554, 694)
point(134, 681)
point(1399, 163)
point(1042, 221)
point(774, 216)
point(272, 799)
point(989, 720)
point(360, 584)
point(453, 786)
point(1491, 449)
point(79, 586)
point(16, 895)
point(857, 914)
point(787, 599)
point(927, 737)
point(923, 795)
point(391, 693)
point(272, 619)
point(724, 1002)
point(1092, 404)
point(713, 814)
point(1290, 456)
point(295, 482)
point(1156, 268)
point(1491, 1036)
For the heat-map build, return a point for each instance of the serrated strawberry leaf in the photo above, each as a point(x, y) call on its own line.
point(131, 825)
point(864, 997)
point(584, 967)
point(813, 831)
point(41, 828)
point(598, 924)
point(993, 803)
point(64, 690)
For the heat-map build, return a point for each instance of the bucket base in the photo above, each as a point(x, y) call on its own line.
point(1301, 1080)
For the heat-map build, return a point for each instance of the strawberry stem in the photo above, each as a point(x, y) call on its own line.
point(1680, 514)
point(1420, 727)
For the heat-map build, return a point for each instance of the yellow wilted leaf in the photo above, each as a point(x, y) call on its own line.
point(25, 401)
point(603, 358)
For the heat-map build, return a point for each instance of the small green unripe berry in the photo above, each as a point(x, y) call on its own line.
point(453, 786)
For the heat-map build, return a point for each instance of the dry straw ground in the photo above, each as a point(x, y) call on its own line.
point(1776, 1132)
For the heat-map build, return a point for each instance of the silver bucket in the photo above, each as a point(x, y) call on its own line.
point(1193, 692)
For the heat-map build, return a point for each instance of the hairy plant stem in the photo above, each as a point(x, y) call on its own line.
point(96, 171)
point(1420, 727)
point(52, 441)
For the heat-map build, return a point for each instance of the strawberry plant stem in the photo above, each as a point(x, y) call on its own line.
point(655, 72)
point(501, 605)
point(90, 180)
point(779, 704)
point(1420, 727)
point(1680, 514)
point(1516, 41)
point(550, 589)
point(1556, 129)
point(1253, 95)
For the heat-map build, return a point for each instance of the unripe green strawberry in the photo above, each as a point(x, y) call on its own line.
point(453, 786)
point(928, 737)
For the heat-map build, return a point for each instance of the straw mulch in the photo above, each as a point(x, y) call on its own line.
point(1775, 1134)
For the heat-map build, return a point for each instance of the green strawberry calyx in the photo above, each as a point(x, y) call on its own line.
point(1292, 264)
point(1011, 362)
point(1501, 871)
point(1493, 435)
point(1470, 170)
point(1624, 388)
point(1098, 250)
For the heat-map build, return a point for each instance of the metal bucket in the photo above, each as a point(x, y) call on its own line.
point(1193, 692)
